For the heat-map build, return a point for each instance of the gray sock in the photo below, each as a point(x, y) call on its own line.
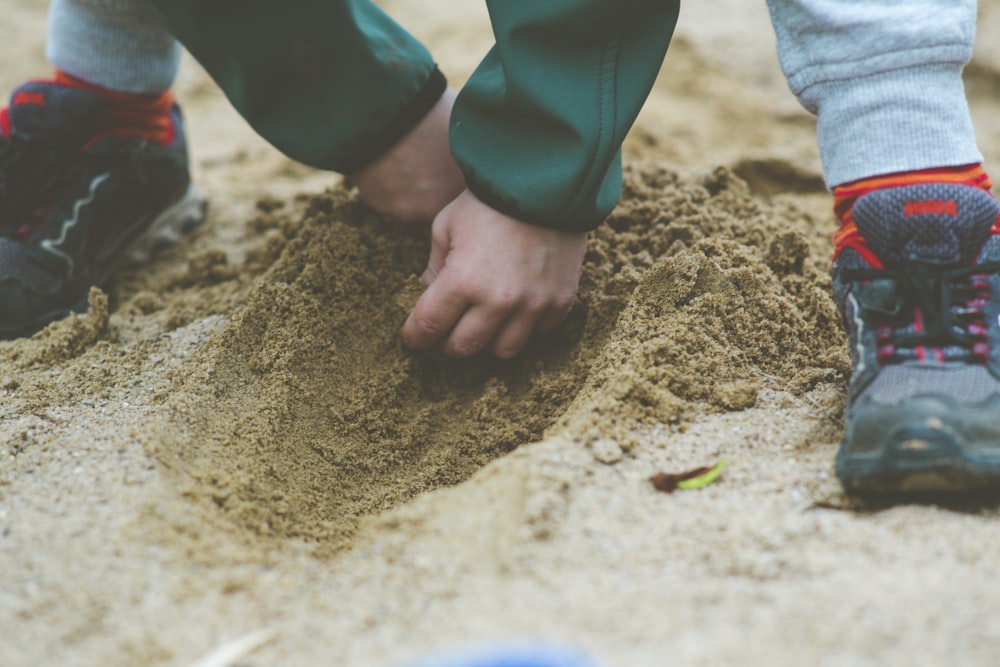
point(116, 44)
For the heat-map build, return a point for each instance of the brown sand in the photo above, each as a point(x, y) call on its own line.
point(234, 437)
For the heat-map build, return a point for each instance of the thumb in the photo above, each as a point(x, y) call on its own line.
point(440, 247)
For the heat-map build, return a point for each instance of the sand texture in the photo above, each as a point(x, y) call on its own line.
point(235, 440)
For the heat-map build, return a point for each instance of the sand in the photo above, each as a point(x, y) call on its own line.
point(234, 438)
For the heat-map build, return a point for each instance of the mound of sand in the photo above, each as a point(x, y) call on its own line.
point(234, 438)
point(304, 412)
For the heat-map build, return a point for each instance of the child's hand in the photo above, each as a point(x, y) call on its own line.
point(417, 177)
point(492, 280)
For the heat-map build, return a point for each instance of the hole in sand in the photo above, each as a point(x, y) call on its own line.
point(305, 413)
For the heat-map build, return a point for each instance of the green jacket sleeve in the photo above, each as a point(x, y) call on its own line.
point(538, 128)
point(331, 83)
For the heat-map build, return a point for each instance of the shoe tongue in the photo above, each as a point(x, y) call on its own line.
point(939, 222)
point(42, 109)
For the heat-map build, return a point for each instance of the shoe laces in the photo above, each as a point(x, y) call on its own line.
point(937, 312)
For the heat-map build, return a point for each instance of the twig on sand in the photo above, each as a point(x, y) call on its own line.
point(230, 652)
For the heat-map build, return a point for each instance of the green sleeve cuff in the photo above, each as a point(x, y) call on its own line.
point(538, 128)
point(330, 83)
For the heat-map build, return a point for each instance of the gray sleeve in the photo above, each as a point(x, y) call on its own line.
point(883, 78)
point(117, 44)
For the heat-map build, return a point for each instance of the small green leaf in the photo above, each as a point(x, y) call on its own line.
point(703, 479)
point(692, 479)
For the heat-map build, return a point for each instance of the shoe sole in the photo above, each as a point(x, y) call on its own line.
point(167, 229)
point(927, 455)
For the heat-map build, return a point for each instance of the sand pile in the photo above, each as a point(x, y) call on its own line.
point(300, 413)
point(234, 438)
point(305, 412)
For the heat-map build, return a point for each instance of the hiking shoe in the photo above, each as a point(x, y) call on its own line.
point(77, 203)
point(920, 295)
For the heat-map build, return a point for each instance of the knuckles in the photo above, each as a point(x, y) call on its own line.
point(425, 327)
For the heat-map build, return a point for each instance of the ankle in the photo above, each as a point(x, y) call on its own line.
point(417, 177)
point(138, 114)
point(847, 236)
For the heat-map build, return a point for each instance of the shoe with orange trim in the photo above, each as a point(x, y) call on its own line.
point(81, 195)
point(917, 277)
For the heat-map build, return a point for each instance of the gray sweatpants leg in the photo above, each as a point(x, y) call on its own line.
point(884, 79)
point(116, 44)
